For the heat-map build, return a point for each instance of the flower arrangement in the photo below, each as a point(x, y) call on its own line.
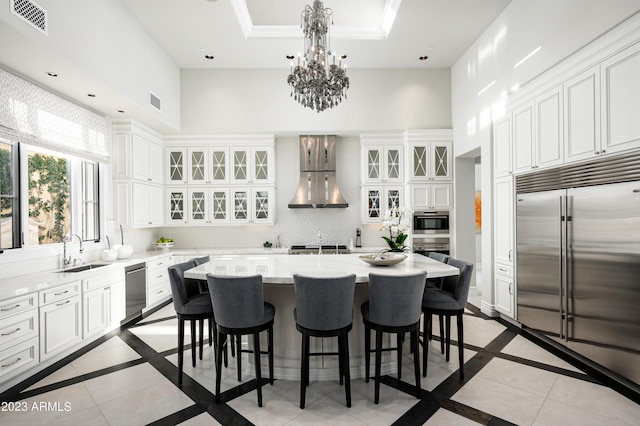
point(397, 220)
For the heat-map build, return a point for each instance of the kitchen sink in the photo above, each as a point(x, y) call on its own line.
point(85, 267)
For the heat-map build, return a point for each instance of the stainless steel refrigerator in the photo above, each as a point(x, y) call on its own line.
point(578, 269)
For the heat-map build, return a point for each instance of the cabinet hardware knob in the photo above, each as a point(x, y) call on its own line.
point(63, 303)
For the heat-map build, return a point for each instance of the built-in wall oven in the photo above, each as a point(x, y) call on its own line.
point(430, 222)
point(431, 232)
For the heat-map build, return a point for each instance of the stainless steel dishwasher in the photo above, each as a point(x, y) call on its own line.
point(136, 290)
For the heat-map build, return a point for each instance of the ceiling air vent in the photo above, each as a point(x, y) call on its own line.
point(155, 101)
point(32, 13)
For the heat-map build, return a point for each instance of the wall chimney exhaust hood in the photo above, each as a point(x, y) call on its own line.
point(318, 187)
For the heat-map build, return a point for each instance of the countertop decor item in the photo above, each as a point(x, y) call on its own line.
point(124, 250)
point(396, 221)
point(384, 259)
point(109, 254)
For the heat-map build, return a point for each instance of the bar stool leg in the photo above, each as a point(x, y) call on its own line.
point(270, 351)
point(367, 351)
point(340, 361)
point(304, 369)
point(448, 337)
point(256, 357)
point(222, 341)
point(461, 345)
point(416, 362)
point(193, 342)
point(347, 372)
point(201, 336)
point(399, 339)
point(426, 324)
point(180, 349)
point(378, 365)
point(239, 357)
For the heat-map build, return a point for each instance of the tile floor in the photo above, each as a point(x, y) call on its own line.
point(130, 377)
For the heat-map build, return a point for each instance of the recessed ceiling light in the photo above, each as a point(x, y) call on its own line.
point(121, 111)
point(209, 56)
point(91, 95)
point(290, 57)
point(423, 58)
point(343, 56)
point(52, 74)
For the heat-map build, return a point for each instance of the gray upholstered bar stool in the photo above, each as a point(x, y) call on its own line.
point(192, 308)
point(238, 302)
point(435, 283)
point(448, 301)
point(324, 308)
point(393, 307)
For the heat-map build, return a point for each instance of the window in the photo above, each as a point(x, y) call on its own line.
point(9, 205)
point(49, 197)
point(58, 194)
point(90, 206)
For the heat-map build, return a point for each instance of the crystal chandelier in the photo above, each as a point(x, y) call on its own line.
point(314, 82)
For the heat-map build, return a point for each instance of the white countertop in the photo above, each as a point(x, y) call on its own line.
point(30, 283)
point(276, 269)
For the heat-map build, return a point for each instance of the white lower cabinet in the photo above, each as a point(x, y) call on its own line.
point(60, 325)
point(505, 292)
point(103, 302)
point(158, 286)
point(18, 335)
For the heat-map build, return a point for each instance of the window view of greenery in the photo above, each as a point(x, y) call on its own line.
point(90, 207)
point(8, 213)
point(49, 197)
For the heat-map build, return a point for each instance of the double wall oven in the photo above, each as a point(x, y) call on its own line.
point(431, 232)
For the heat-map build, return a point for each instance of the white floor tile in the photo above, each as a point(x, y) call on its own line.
point(161, 336)
point(511, 404)
point(145, 405)
point(64, 373)
point(444, 417)
point(91, 416)
point(125, 382)
point(519, 376)
point(164, 312)
point(596, 399)
point(112, 352)
point(555, 413)
point(203, 419)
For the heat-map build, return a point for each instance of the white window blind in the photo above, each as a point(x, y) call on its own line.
point(31, 114)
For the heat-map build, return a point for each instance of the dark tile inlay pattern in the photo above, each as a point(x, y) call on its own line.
point(418, 414)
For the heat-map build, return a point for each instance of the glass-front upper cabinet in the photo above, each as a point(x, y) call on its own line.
point(252, 205)
point(176, 165)
point(251, 165)
point(430, 160)
point(382, 157)
point(177, 206)
point(380, 199)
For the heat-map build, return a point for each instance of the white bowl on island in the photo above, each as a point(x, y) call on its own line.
point(165, 246)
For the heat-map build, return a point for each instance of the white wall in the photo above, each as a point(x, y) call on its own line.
point(248, 100)
point(95, 47)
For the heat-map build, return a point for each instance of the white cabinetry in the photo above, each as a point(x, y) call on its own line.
point(379, 199)
point(103, 302)
point(158, 285)
point(582, 116)
point(251, 165)
point(19, 348)
point(147, 205)
point(382, 159)
point(146, 159)
point(176, 165)
point(538, 132)
point(137, 175)
point(620, 82)
point(428, 154)
point(502, 147)
point(208, 165)
point(208, 205)
point(503, 245)
point(177, 203)
point(60, 319)
point(252, 205)
point(431, 196)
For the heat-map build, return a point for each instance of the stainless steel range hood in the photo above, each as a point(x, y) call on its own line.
point(318, 187)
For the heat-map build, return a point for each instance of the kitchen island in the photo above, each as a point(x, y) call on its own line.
point(277, 275)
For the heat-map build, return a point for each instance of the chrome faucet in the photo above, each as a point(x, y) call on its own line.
point(66, 261)
point(319, 241)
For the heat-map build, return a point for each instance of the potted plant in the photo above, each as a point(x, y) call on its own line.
point(396, 221)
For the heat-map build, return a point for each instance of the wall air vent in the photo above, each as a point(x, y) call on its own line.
point(155, 101)
point(32, 13)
